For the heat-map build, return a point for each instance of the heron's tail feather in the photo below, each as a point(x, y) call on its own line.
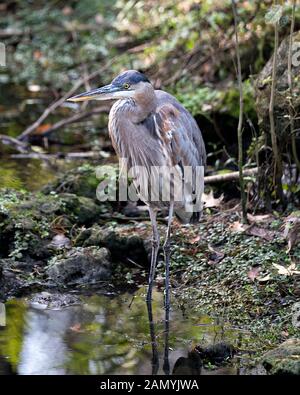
point(186, 217)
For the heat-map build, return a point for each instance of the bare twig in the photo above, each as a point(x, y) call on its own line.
point(6, 33)
point(240, 124)
point(62, 155)
point(19, 145)
point(277, 157)
point(230, 176)
point(291, 83)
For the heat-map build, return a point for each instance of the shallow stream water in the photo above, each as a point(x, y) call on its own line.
point(104, 335)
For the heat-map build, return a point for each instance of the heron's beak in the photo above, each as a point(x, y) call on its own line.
point(107, 92)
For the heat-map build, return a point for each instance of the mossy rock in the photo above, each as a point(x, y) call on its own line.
point(125, 249)
point(264, 81)
point(29, 221)
point(83, 209)
point(81, 181)
point(283, 360)
point(80, 266)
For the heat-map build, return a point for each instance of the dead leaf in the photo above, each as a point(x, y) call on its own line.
point(287, 271)
point(264, 279)
point(209, 200)
point(67, 10)
point(76, 328)
point(37, 54)
point(238, 227)
point(258, 218)
point(194, 240)
point(39, 150)
point(42, 128)
point(253, 273)
point(264, 233)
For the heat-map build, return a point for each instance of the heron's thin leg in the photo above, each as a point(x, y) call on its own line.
point(167, 252)
point(155, 247)
point(155, 359)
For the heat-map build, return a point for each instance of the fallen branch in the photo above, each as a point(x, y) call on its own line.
point(74, 118)
point(59, 155)
point(6, 33)
point(229, 176)
point(19, 145)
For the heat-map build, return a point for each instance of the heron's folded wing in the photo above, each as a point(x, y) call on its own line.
point(180, 134)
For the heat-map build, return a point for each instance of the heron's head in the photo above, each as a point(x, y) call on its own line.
point(125, 85)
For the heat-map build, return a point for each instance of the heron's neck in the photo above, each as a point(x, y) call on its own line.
point(146, 102)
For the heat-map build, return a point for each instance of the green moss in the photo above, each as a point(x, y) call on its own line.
point(12, 333)
point(206, 100)
point(29, 221)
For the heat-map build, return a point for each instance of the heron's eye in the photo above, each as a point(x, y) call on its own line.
point(126, 86)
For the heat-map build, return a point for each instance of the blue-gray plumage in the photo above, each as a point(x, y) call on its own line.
point(150, 128)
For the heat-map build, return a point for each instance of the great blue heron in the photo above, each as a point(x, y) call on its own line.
point(152, 130)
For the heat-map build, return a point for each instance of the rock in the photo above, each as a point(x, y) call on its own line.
point(60, 241)
point(283, 360)
point(296, 315)
point(10, 283)
point(83, 209)
point(130, 249)
point(292, 230)
point(282, 105)
point(80, 266)
point(30, 221)
point(53, 301)
point(191, 365)
point(216, 354)
point(264, 81)
point(19, 277)
point(81, 181)
point(131, 209)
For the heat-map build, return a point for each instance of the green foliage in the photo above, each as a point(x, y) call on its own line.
point(64, 38)
point(11, 340)
point(201, 100)
point(8, 179)
point(206, 100)
point(230, 101)
point(58, 39)
point(274, 14)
